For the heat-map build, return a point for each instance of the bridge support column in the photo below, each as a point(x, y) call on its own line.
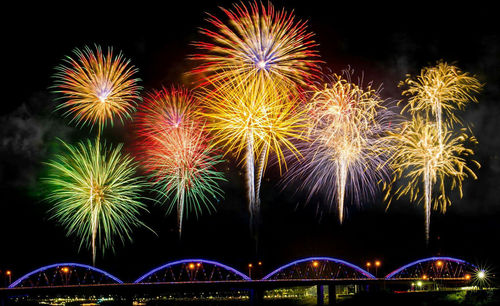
point(256, 297)
point(320, 296)
point(332, 295)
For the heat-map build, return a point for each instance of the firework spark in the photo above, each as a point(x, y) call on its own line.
point(177, 153)
point(95, 194)
point(253, 118)
point(424, 156)
point(97, 88)
point(348, 148)
point(258, 42)
point(439, 91)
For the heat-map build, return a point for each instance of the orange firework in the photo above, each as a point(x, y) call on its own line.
point(97, 88)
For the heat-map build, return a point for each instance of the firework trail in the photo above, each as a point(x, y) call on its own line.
point(252, 119)
point(97, 88)
point(348, 148)
point(257, 42)
point(95, 194)
point(177, 153)
point(424, 156)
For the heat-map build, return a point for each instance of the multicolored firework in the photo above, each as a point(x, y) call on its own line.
point(439, 91)
point(257, 42)
point(176, 152)
point(97, 87)
point(348, 147)
point(253, 118)
point(95, 194)
point(424, 156)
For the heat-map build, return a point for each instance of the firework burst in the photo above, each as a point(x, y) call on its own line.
point(252, 119)
point(439, 91)
point(347, 148)
point(95, 194)
point(177, 153)
point(257, 42)
point(424, 157)
point(97, 88)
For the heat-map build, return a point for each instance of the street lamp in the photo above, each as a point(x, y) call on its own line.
point(377, 265)
point(368, 265)
point(9, 275)
point(250, 270)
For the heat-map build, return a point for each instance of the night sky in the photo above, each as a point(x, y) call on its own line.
point(383, 42)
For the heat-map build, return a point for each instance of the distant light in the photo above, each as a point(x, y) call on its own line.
point(260, 263)
point(377, 263)
point(198, 264)
point(191, 266)
point(467, 276)
point(65, 269)
point(315, 264)
point(419, 283)
point(439, 263)
point(250, 265)
point(368, 264)
point(481, 274)
point(424, 276)
point(8, 272)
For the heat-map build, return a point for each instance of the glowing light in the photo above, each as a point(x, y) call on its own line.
point(315, 264)
point(368, 264)
point(257, 42)
point(424, 276)
point(481, 274)
point(347, 151)
point(467, 276)
point(65, 269)
point(191, 266)
point(250, 265)
point(439, 263)
point(377, 263)
point(95, 194)
point(419, 284)
point(97, 88)
point(177, 153)
point(8, 272)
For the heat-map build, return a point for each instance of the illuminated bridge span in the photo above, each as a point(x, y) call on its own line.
point(192, 270)
point(65, 274)
point(318, 268)
point(200, 275)
point(437, 268)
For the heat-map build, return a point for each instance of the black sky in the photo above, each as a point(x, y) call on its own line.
point(385, 42)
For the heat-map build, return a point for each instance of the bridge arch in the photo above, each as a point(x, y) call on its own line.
point(318, 268)
point(190, 270)
point(63, 274)
point(434, 268)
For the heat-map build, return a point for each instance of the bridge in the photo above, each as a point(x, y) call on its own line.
point(201, 275)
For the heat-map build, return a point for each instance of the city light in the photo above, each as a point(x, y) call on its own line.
point(315, 264)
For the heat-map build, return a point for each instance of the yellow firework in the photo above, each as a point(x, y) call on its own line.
point(439, 91)
point(254, 118)
point(97, 88)
point(423, 158)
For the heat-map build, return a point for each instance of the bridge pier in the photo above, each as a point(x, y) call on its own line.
point(256, 297)
point(320, 295)
point(332, 295)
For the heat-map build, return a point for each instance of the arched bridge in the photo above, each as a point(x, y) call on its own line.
point(65, 274)
point(192, 270)
point(318, 268)
point(437, 268)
